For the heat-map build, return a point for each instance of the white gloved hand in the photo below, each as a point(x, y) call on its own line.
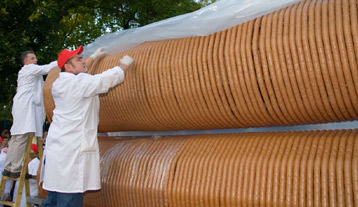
point(126, 60)
point(99, 53)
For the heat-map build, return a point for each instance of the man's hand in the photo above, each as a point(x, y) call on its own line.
point(99, 53)
point(126, 60)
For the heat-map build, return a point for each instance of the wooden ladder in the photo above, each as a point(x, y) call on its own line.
point(24, 170)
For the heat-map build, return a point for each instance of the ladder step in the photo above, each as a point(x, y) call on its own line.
point(10, 178)
point(8, 203)
point(28, 176)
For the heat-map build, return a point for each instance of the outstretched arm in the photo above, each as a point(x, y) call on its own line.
point(91, 85)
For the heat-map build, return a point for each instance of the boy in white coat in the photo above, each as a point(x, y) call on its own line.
point(28, 111)
point(71, 157)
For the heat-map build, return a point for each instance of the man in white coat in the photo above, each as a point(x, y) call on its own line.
point(71, 157)
point(27, 111)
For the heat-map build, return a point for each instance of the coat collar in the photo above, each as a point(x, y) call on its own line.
point(66, 74)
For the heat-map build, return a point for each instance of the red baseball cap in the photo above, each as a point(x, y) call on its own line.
point(67, 54)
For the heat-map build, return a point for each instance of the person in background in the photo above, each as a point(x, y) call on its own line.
point(8, 184)
point(4, 134)
point(71, 158)
point(5, 143)
point(27, 111)
point(44, 136)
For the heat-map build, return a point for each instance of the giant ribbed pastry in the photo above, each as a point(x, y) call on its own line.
point(297, 65)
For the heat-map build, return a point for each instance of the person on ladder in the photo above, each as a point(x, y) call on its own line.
point(27, 111)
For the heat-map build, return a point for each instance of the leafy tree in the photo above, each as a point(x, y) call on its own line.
point(48, 26)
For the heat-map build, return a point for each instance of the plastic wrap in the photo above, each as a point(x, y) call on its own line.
point(216, 17)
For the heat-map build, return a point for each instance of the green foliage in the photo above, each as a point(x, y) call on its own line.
point(48, 26)
point(206, 2)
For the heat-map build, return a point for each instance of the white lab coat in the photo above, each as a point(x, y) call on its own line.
point(71, 157)
point(28, 109)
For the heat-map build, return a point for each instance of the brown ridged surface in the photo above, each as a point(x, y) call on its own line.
point(297, 65)
point(307, 168)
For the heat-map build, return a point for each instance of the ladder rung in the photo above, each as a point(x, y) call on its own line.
point(30, 176)
point(10, 178)
point(8, 203)
point(27, 176)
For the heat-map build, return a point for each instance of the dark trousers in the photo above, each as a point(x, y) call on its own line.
point(56, 199)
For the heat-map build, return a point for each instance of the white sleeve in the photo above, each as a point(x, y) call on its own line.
point(43, 69)
point(92, 85)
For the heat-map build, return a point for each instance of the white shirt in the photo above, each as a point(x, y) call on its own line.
point(28, 109)
point(72, 155)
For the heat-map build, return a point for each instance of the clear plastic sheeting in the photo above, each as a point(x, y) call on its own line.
point(216, 17)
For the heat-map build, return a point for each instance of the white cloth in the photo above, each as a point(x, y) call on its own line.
point(71, 157)
point(2, 161)
point(32, 166)
point(28, 109)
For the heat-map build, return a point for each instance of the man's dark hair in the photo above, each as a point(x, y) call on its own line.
point(69, 61)
point(24, 55)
